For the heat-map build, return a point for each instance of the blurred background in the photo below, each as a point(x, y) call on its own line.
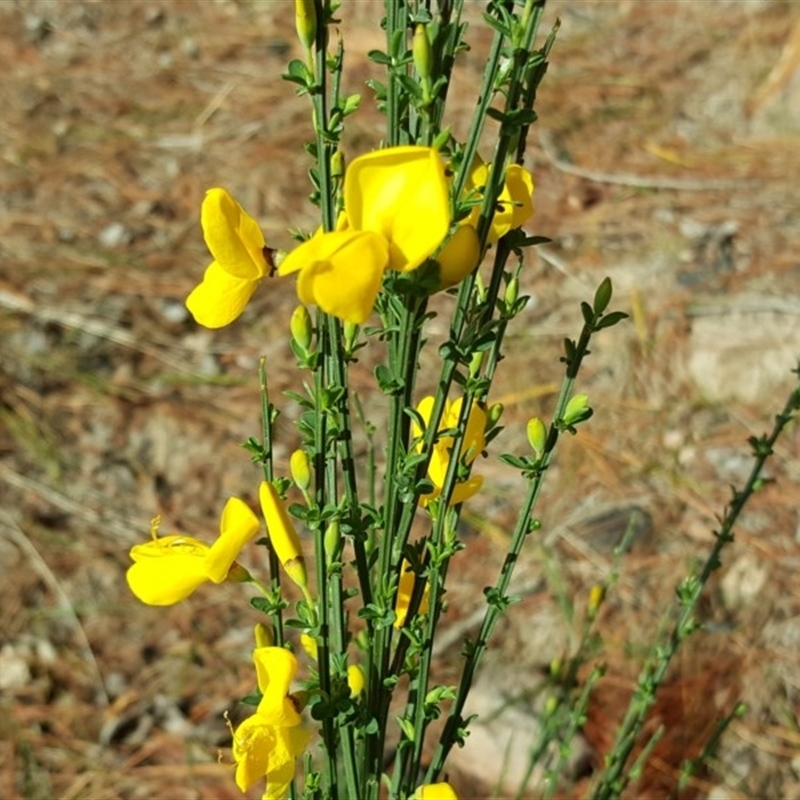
point(666, 156)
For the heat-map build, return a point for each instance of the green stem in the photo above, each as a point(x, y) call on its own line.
point(612, 780)
point(266, 443)
point(497, 596)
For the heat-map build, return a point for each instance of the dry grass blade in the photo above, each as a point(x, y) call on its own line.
point(23, 542)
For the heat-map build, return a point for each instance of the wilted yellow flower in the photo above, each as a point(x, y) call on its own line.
point(397, 213)
point(282, 534)
point(268, 743)
point(435, 791)
point(168, 569)
point(237, 244)
point(405, 587)
point(474, 442)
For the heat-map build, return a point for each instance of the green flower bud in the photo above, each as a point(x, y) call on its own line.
point(537, 435)
point(300, 469)
point(350, 331)
point(305, 17)
point(493, 414)
point(332, 540)
point(337, 164)
point(512, 292)
point(263, 635)
point(301, 328)
point(577, 410)
point(422, 52)
point(476, 363)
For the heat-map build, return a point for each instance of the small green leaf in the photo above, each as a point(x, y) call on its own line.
point(602, 297)
point(379, 57)
point(610, 319)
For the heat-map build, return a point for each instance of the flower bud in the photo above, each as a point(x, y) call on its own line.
point(301, 328)
point(537, 435)
point(355, 680)
point(475, 363)
point(493, 414)
point(422, 52)
point(300, 469)
point(332, 540)
point(262, 635)
point(309, 644)
point(350, 331)
point(337, 164)
point(577, 410)
point(596, 597)
point(305, 17)
point(282, 535)
point(512, 292)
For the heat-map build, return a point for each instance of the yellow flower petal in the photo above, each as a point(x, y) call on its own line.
point(275, 671)
point(435, 791)
point(341, 272)
point(514, 206)
point(473, 443)
point(253, 743)
point(279, 780)
point(220, 298)
point(238, 525)
point(233, 236)
point(400, 193)
point(459, 256)
point(463, 490)
point(405, 587)
point(167, 570)
point(355, 680)
point(519, 183)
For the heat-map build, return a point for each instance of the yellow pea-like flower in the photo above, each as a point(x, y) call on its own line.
point(514, 205)
point(268, 743)
point(396, 215)
point(473, 443)
point(240, 264)
point(168, 569)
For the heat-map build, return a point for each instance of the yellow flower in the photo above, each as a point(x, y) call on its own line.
point(435, 791)
point(405, 587)
point(514, 206)
point(168, 569)
point(239, 265)
point(268, 743)
point(401, 193)
point(340, 271)
point(473, 443)
point(397, 213)
point(282, 534)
